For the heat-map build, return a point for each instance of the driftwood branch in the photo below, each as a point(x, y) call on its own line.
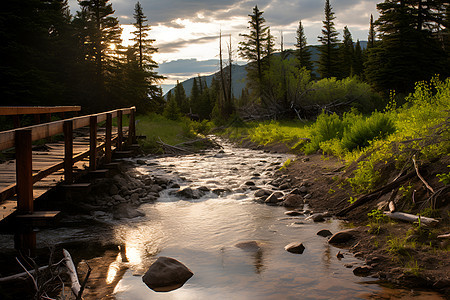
point(420, 176)
point(410, 218)
point(83, 285)
point(172, 147)
point(29, 274)
point(72, 272)
point(375, 194)
point(23, 274)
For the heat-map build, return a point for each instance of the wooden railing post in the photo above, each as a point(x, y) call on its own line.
point(108, 137)
point(68, 152)
point(93, 143)
point(24, 171)
point(119, 130)
point(132, 128)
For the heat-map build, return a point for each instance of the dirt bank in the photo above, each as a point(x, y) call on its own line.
point(400, 253)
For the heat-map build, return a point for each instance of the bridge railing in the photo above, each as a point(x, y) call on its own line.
point(37, 111)
point(21, 139)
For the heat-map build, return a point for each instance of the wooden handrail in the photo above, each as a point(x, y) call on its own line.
point(42, 131)
point(30, 110)
point(22, 138)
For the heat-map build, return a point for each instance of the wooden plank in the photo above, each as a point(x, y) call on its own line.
point(7, 208)
point(28, 110)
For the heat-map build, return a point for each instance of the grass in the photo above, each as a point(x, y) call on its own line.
point(156, 127)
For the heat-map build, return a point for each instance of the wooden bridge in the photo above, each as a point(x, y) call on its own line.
point(40, 167)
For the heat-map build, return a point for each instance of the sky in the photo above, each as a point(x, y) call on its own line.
point(187, 32)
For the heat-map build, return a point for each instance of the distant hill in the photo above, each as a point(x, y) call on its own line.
point(240, 74)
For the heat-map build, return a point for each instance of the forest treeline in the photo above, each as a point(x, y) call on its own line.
point(407, 44)
point(51, 57)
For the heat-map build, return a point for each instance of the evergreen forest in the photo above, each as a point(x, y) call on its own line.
point(53, 57)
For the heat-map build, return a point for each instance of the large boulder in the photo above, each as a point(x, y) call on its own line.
point(295, 247)
point(292, 200)
point(342, 236)
point(251, 246)
point(166, 274)
point(272, 199)
point(190, 193)
point(125, 211)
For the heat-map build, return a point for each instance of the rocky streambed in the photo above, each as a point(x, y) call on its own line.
point(230, 216)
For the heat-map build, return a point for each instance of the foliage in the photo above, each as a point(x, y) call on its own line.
point(362, 131)
point(398, 246)
point(156, 127)
point(286, 164)
point(444, 177)
point(285, 83)
point(284, 132)
point(340, 95)
point(376, 218)
point(203, 127)
point(325, 128)
point(422, 120)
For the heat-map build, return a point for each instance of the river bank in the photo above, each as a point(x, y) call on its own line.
point(197, 208)
point(395, 252)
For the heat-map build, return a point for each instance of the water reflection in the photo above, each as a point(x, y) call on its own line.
point(203, 233)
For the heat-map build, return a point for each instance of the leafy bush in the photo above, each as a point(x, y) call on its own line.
point(362, 131)
point(326, 127)
point(350, 90)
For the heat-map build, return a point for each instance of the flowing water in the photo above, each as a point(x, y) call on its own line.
point(202, 234)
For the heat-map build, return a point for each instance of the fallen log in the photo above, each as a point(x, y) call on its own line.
point(375, 194)
point(410, 218)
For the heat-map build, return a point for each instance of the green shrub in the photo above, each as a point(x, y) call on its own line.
point(326, 127)
point(362, 131)
point(351, 90)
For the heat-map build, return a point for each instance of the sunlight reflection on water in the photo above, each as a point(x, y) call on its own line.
point(202, 234)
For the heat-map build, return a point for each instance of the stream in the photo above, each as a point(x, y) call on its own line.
point(202, 234)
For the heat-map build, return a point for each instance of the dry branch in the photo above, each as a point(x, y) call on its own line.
point(375, 194)
point(420, 176)
point(172, 147)
point(410, 218)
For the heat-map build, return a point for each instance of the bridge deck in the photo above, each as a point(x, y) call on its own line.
point(44, 157)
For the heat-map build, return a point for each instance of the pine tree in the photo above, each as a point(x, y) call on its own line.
point(358, 60)
point(303, 54)
point(141, 66)
point(372, 35)
point(99, 36)
point(253, 48)
point(346, 54)
point(329, 52)
point(181, 99)
point(194, 99)
point(408, 51)
point(171, 111)
point(36, 52)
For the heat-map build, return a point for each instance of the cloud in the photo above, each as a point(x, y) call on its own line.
point(176, 45)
